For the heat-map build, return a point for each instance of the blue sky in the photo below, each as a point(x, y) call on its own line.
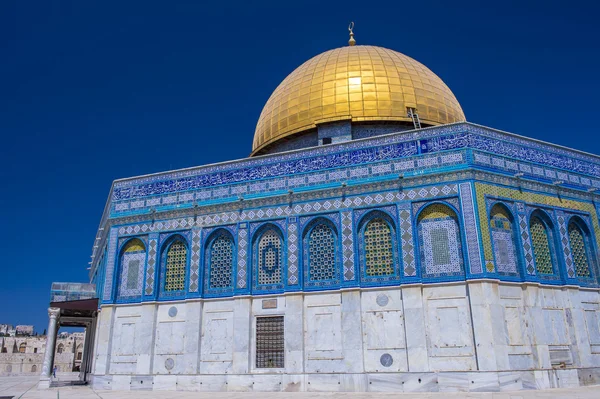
point(92, 91)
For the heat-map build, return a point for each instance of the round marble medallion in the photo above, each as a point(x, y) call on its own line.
point(386, 360)
point(169, 363)
point(382, 299)
point(172, 311)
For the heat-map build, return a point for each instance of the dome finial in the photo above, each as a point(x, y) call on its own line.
point(351, 42)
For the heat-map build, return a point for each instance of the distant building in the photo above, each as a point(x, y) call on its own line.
point(24, 354)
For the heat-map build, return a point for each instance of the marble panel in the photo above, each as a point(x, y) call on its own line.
point(165, 383)
point(141, 382)
point(293, 383)
point(421, 382)
point(323, 383)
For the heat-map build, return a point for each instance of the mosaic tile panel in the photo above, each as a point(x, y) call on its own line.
point(541, 246)
point(132, 269)
point(440, 247)
point(110, 264)
point(151, 269)
point(471, 229)
point(483, 190)
point(348, 272)
point(293, 275)
point(505, 252)
point(176, 262)
point(195, 261)
point(242, 265)
point(270, 258)
point(578, 250)
point(406, 234)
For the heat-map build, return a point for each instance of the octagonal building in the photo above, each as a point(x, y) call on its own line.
point(373, 241)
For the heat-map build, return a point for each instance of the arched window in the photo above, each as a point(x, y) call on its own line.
point(542, 244)
point(503, 240)
point(220, 258)
point(133, 258)
point(175, 265)
point(580, 247)
point(33, 368)
point(320, 253)
point(269, 257)
point(22, 347)
point(440, 247)
point(60, 348)
point(377, 247)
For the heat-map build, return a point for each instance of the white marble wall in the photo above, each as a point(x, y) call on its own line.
point(465, 337)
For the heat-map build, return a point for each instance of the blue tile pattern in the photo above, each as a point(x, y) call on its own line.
point(471, 229)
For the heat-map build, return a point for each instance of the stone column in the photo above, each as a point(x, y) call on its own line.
point(53, 324)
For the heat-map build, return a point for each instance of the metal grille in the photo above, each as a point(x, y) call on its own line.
point(176, 262)
point(378, 248)
point(269, 342)
point(578, 251)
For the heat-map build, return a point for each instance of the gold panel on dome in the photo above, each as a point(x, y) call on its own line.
point(361, 83)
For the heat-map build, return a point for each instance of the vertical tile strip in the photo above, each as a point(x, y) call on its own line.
point(471, 230)
point(110, 265)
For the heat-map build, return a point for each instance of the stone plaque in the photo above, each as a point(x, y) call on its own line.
point(169, 363)
point(386, 360)
point(382, 299)
point(172, 311)
point(269, 304)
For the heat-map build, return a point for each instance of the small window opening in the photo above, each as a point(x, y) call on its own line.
point(326, 140)
point(270, 342)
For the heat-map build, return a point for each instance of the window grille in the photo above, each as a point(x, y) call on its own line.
point(578, 251)
point(176, 263)
point(221, 262)
point(270, 344)
point(269, 258)
point(541, 246)
point(321, 244)
point(378, 248)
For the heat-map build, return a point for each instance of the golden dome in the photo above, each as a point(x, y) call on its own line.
point(357, 83)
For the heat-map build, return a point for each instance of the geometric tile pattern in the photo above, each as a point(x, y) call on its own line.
point(292, 274)
point(132, 269)
point(578, 250)
point(541, 246)
point(195, 261)
point(241, 259)
point(217, 219)
point(150, 270)
point(526, 243)
point(564, 242)
point(440, 247)
point(347, 246)
point(110, 265)
point(406, 234)
point(471, 229)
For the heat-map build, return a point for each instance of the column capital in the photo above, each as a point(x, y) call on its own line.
point(54, 313)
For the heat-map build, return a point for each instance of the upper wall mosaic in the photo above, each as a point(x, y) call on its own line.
point(427, 150)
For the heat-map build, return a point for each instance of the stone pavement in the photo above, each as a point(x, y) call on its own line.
point(26, 388)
